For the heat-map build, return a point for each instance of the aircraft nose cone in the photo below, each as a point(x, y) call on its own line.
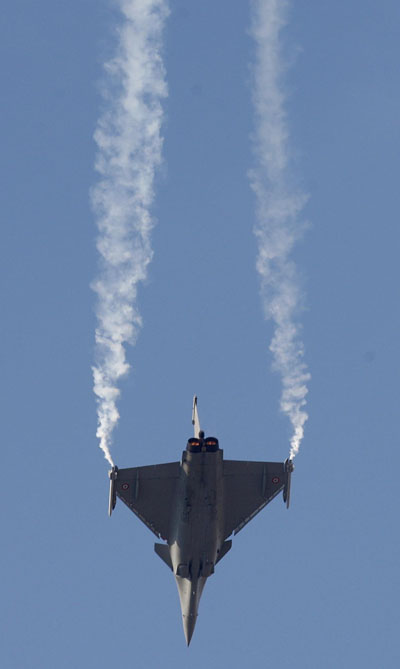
point(189, 594)
point(189, 623)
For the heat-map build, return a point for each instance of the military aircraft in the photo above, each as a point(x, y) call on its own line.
point(195, 505)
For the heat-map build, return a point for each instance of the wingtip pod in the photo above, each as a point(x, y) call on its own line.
point(112, 500)
point(289, 467)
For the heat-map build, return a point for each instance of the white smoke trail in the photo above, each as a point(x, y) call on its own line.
point(129, 141)
point(278, 206)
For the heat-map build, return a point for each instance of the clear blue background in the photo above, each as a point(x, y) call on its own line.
point(315, 587)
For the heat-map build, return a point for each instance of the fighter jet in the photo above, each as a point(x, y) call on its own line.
point(195, 505)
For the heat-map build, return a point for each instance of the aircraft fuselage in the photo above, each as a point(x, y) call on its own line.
point(197, 532)
point(197, 528)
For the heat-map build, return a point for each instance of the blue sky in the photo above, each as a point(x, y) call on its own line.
point(313, 587)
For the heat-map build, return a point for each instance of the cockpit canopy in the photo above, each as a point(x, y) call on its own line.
point(208, 445)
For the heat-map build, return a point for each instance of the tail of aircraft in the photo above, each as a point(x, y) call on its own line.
point(195, 418)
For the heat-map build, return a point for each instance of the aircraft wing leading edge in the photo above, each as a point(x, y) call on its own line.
point(150, 492)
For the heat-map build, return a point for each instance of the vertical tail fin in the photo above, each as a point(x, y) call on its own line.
point(195, 418)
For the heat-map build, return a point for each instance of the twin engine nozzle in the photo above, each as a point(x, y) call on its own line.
point(201, 445)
